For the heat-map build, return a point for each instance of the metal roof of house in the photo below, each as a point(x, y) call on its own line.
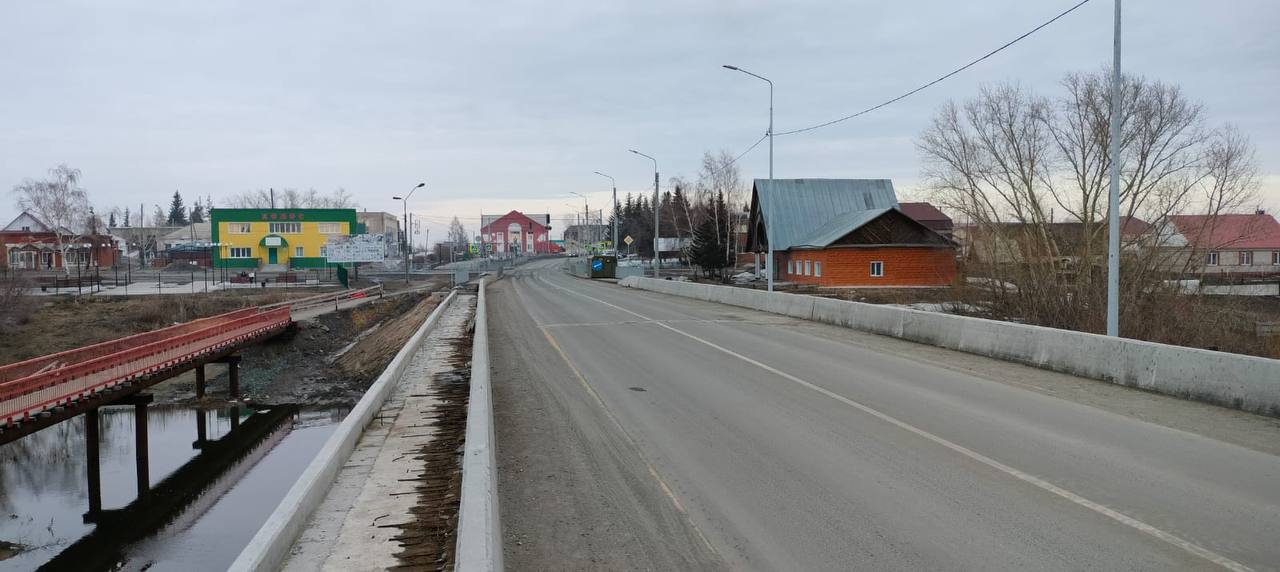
point(1229, 231)
point(803, 210)
point(838, 227)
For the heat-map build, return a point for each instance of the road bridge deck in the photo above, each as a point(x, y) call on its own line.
point(643, 431)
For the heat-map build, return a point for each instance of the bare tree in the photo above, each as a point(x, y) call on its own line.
point(290, 198)
point(1013, 164)
point(58, 201)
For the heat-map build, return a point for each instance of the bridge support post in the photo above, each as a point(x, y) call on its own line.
point(94, 466)
point(200, 381)
point(202, 429)
point(140, 402)
point(233, 374)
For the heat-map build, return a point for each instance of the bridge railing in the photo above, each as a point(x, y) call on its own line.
point(20, 398)
point(49, 362)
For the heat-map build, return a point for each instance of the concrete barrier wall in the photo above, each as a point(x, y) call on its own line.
point(270, 546)
point(1241, 382)
point(479, 547)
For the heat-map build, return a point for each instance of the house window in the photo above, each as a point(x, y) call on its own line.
point(808, 268)
point(1275, 257)
point(241, 253)
point(285, 227)
point(237, 228)
point(1213, 259)
point(330, 228)
point(297, 252)
point(1246, 258)
point(324, 252)
point(877, 269)
point(817, 268)
point(790, 268)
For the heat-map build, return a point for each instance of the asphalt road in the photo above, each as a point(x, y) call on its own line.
point(642, 431)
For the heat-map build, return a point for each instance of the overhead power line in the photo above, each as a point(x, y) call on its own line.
point(940, 79)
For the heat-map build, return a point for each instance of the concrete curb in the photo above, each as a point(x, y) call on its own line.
point(479, 547)
point(270, 546)
point(1230, 380)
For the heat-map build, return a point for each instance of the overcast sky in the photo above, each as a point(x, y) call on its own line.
point(512, 105)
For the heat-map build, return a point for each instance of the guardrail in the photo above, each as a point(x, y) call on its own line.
point(479, 546)
point(1230, 380)
point(270, 546)
point(67, 376)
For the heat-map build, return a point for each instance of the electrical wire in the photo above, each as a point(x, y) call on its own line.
point(940, 79)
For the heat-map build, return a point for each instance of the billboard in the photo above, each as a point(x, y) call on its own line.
point(356, 248)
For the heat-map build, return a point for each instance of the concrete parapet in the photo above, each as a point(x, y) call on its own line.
point(1230, 380)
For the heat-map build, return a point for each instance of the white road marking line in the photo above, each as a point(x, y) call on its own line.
point(1104, 510)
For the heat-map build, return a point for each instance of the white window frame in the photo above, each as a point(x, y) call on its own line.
point(817, 268)
point(240, 252)
point(790, 267)
point(299, 252)
point(1212, 259)
point(877, 265)
point(324, 251)
point(1275, 257)
point(808, 268)
point(329, 227)
point(239, 228)
point(284, 228)
point(1245, 258)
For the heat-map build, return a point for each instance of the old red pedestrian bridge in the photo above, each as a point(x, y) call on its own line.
point(43, 391)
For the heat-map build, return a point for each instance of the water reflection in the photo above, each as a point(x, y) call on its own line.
point(217, 490)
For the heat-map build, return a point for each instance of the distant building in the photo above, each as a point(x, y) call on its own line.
point(1246, 245)
point(928, 215)
point(277, 239)
point(846, 233)
point(27, 243)
point(386, 224)
point(516, 233)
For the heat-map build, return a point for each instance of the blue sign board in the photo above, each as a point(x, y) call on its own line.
point(597, 265)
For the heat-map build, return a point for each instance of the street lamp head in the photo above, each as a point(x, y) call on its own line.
point(420, 185)
point(729, 67)
point(396, 199)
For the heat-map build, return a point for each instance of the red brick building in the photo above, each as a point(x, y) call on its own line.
point(516, 233)
point(847, 233)
point(27, 243)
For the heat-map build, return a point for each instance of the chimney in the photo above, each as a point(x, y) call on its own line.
point(1261, 211)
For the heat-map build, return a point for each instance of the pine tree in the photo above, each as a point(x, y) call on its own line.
point(177, 212)
point(111, 220)
point(126, 218)
point(197, 212)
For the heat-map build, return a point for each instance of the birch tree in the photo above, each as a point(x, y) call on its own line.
point(59, 202)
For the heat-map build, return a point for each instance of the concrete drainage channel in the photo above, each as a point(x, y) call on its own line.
point(382, 491)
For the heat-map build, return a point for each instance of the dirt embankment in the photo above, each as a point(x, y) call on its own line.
point(62, 324)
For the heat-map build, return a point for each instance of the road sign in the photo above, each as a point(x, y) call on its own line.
point(597, 265)
point(355, 248)
point(628, 240)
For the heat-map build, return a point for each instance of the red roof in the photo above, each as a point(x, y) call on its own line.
point(1133, 226)
point(1236, 231)
point(922, 212)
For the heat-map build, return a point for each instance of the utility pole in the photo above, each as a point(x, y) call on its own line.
point(657, 210)
point(615, 211)
point(1113, 223)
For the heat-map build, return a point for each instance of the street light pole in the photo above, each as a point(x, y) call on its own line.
point(657, 210)
point(615, 211)
point(406, 243)
point(586, 220)
point(767, 219)
point(1113, 223)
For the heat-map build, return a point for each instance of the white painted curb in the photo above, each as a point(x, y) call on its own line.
point(271, 545)
point(479, 547)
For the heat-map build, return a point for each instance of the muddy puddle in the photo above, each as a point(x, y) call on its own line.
point(214, 477)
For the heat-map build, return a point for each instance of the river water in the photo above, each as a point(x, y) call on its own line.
point(207, 498)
